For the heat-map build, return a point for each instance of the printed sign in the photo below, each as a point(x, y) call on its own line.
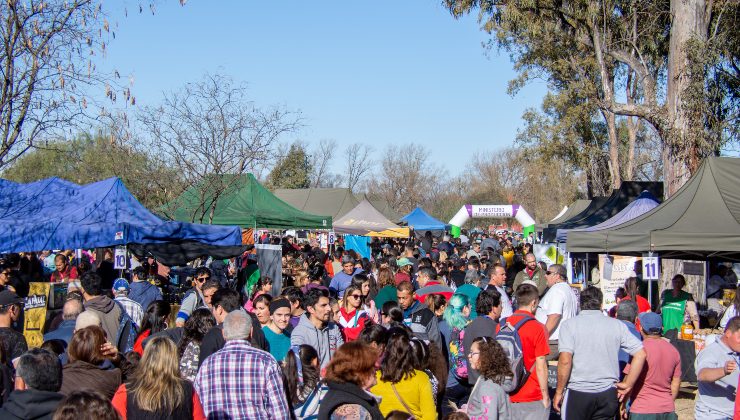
point(614, 270)
point(35, 313)
point(119, 260)
point(332, 237)
point(119, 236)
point(650, 267)
point(492, 211)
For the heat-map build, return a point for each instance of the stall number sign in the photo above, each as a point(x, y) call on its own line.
point(650, 267)
point(331, 238)
point(119, 261)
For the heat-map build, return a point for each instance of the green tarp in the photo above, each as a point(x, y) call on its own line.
point(701, 220)
point(244, 203)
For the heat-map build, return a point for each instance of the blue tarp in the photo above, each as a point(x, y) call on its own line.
point(57, 214)
point(421, 220)
point(359, 244)
point(641, 205)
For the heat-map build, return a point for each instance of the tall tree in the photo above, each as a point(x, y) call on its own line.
point(320, 163)
point(291, 170)
point(358, 161)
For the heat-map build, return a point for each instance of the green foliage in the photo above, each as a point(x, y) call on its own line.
point(93, 158)
point(291, 171)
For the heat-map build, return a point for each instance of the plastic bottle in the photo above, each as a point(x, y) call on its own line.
point(687, 331)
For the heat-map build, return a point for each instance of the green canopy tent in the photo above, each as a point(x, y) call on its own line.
point(702, 220)
point(244, 202)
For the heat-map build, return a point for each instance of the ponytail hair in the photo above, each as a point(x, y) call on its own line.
point(299, 373)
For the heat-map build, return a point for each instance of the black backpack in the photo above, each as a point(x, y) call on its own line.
point(508, 337)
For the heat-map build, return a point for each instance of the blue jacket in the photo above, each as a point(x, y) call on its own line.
point(144, 293)
point(63, 332)
point(342, 280)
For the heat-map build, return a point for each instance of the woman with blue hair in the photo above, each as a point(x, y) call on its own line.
point(454, 321)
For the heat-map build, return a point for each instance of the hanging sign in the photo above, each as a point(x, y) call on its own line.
point(119, 259)
point(650, 267)
point(332, 237)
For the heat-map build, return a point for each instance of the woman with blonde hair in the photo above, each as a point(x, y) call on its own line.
point(156, 389)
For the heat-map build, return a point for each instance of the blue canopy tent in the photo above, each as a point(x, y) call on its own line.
point(421, 220)
point(57, 214)
point(641, 205)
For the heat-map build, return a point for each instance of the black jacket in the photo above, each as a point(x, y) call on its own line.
point(348, 393)
point(214, 341)
point(30, 405)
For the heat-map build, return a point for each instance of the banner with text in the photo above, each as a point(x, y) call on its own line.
point(35, 313)
point(614, 270)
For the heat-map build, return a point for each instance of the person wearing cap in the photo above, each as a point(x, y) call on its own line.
point(404, 270)
point(276, 332)
point(10, 309)
point(657, 387)
point(343, 279)
point(132, 308)
point(558, 305)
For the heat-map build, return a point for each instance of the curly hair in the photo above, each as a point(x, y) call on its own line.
point(399, 361)
point(494, 365)
point(196, 327)
point(353, 362)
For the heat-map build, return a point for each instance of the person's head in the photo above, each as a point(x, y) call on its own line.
point(155, 317)
point(300, 371)
point(40, 370)
point(264, 285)
point(425, 275)
point(86, 319)
point(385, 277)
point(391, 313)
point(280, 310)
point(619, 294)
point(208, 289)
point(489, 303)
point(363, 282)
point(405, 294)
point(140, 273)
point(731, 336)
point(237, 325)
point(651, 324)
point(375, 335)
point(627, 310)
point(156, 383)
point(317, 306)
point(420, 351)
point(10, 305)
point(472, 277)
point(398, 362)
point(54, 346)
point(295, 296)
point(61, 262)
point(85, 404)
point(678, 282)
point(527, 297)
point(300, 278)
point(591, 299)
point(488, 357)
point(202, 275)
point(352, 298)
point(354, 363)
point(498, 276)
point(436, 303)
point(196, 327)
point(90, 283)
point(631, 288)
point(86, 344)
point(348, 265)
point(224, 301)
point(457, 311)
point(261, 305)
point(555, 274)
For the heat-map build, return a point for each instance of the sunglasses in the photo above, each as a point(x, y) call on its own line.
point(548, 272)
point(203, 278)
point(355, 296)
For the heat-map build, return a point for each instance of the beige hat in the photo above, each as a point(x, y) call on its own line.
point(86, 319)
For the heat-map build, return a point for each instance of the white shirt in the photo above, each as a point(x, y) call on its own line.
point(558, 300)
point(506, 308)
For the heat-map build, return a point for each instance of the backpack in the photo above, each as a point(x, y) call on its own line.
point(508, 337)
point(458, 364)
point(126, 332)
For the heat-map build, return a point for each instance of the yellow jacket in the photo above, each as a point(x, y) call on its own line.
point(416, 392)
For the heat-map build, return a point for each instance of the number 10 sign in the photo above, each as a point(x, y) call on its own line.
point(119, 258)
point(650, 267)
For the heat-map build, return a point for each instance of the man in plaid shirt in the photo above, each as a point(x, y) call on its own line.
point(133, 309)
point(239, 381)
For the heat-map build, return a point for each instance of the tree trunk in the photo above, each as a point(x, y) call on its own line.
point(614, 167)
point(690, 22)
point(633, 126)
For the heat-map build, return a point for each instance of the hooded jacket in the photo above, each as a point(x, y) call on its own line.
point(325, 341)
point(30, 404)
point(348, 393)
point(108, 312)
point(423, 323)
point(79, 375)
point(144, 293)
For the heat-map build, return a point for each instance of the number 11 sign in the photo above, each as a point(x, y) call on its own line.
point(650, 267)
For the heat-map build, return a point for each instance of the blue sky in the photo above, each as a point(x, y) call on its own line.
point(381, 72)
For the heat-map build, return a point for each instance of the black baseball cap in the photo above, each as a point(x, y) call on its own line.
point(9, 298)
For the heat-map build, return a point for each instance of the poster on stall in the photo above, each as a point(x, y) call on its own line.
point(34, 315)
point(549, 253)
point(614, 269)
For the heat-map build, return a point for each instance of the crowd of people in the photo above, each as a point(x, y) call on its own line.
point(424, 330)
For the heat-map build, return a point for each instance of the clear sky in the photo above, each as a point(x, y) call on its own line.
point(380, 72)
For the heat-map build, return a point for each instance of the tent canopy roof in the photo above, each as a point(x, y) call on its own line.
point(334, 201)
point(575, 208)
point(58, 214)
point(366, 220)
point(246, 203)
point(421, 220)
point(383, 206)
point(701, 220)
point(593, 215)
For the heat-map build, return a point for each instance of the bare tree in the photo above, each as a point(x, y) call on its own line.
point(358, 163)
point(47, 71)
point(320, 159)
point(212, 133)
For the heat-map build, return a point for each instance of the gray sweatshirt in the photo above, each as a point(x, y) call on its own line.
point(325, 341)
point(489, 400)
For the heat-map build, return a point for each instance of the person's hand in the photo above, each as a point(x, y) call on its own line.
point(730, 367)
point(557, 400)
point(109, 350)
point(623, 390)
point(546, 401)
